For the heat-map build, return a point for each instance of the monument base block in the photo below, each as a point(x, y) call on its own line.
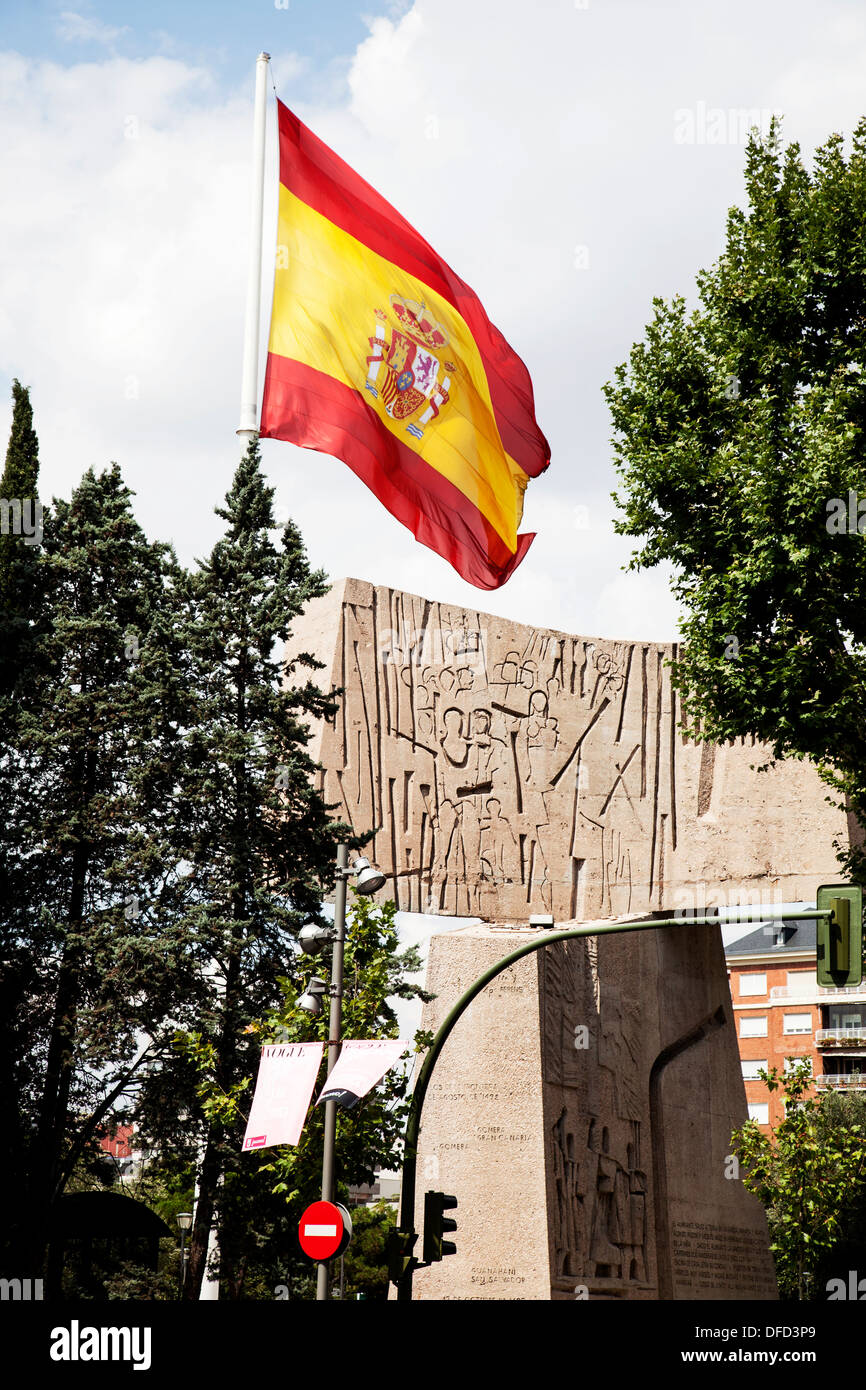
point(581, 1112)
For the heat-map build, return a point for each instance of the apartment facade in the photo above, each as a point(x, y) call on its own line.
point(781, 1012)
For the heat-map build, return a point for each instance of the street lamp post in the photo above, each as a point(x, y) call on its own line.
point(334, 1041)
point(313, 938)
point(184, 1221)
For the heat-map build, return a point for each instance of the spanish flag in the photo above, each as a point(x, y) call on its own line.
point(380, 355)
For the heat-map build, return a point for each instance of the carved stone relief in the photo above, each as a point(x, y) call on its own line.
point(508, 770)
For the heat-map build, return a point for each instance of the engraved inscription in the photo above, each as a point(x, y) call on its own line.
point(726, 1259)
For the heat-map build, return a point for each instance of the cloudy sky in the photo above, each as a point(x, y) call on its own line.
point(571, 159)
point(564, 157)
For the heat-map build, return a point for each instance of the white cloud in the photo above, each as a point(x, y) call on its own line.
point(123, 249)
point(509, 136)
point(77, 28)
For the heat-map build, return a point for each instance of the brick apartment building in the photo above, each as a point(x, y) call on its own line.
point(121, 1145)
point(781, 1011)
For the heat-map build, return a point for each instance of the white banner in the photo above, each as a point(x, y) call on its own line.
point(359, 1067)
point(287, 1075)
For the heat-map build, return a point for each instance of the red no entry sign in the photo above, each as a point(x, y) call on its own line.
point(325, 1230)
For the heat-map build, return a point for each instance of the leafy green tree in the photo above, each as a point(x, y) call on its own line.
point(740, 437)
point(140, 1284)
point(167, 1188)
point(367, 1258)
point(840, 1111)
point(806, 1172)
point(255, 836)
point(369, 1136)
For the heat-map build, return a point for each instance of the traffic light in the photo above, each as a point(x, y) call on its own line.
point(840, 937)
point(436, 1223)
point(398, 1248)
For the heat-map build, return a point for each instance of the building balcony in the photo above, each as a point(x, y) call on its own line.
point(855, 1082)
point(840, 1037)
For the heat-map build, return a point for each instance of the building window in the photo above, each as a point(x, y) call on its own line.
point(753, 984)
point(752, 1066)
point(847, 1016)
point(797, 1023)
point(761, 1113)
point(753, 1027)
point(801, 981)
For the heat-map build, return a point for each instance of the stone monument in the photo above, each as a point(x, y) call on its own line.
point(582, 1110)
point(582, 1115)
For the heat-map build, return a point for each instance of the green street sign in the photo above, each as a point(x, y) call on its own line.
point(840, 937)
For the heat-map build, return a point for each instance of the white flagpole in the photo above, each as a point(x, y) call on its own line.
point(248, 423)
point(250, 377)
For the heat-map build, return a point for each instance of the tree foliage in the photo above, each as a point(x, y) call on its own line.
point(162, 842)
point(369, 1137)
point(18, 554)
point(740, 436)
point(256, 841)
point(91, 965)
point(366, 1259)
point(809, 1173)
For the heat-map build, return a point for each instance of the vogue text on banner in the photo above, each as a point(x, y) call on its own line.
point(360, 1065)
point(287, 1075)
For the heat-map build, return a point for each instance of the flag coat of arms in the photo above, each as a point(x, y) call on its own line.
point(380, 355)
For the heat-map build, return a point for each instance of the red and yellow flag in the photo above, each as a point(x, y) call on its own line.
point(380, 355)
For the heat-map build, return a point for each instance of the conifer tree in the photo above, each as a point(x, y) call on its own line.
point(91, 763)
point(18, 486)
point(257, 837)
point(19, 608)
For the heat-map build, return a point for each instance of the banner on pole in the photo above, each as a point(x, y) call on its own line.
point(287, 1075)
point(360, 1065)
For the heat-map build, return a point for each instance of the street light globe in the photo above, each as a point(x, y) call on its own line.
point(368, 880)
point(184, 1220)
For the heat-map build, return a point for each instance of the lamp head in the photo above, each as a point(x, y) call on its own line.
point(310, 1001)
point(314, 937)
point(368, 880)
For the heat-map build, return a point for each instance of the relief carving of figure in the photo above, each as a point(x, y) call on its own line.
point(570, 1209)
point(500, 855)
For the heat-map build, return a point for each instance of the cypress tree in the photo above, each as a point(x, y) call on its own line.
point(20, 533)
point(18, 484)
point(19, 613)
